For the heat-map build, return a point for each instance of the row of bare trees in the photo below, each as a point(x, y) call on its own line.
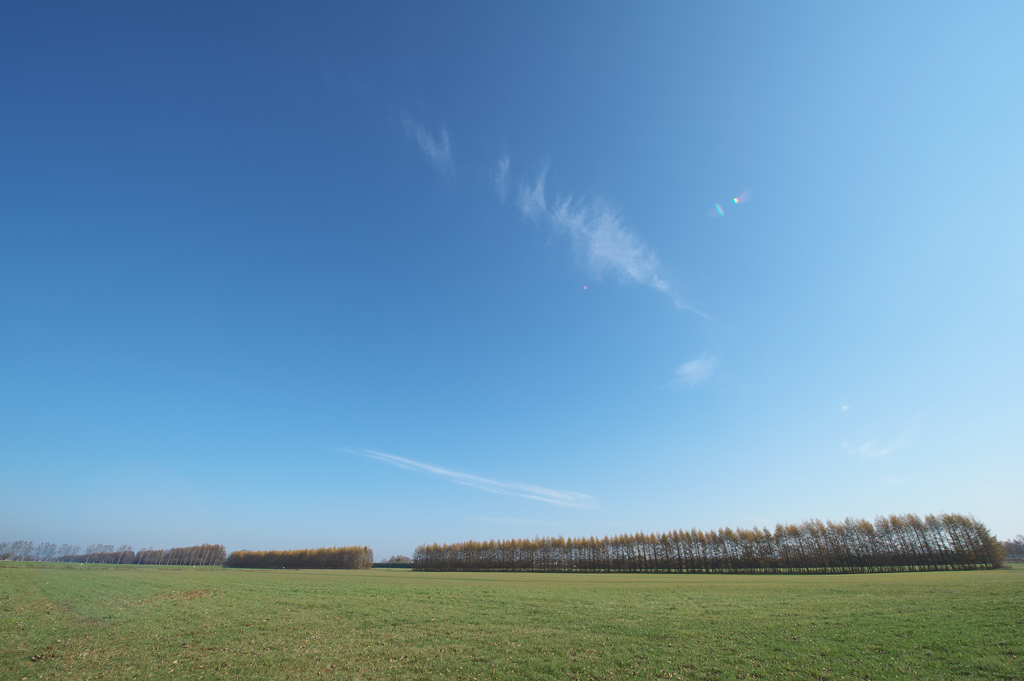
point(99, 553)
point(334, 558)
point(200, 554)
point(30, 551)
point(892, 544)
point(203, 554)
point(1014, 548)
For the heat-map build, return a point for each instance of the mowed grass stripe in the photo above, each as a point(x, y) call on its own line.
point(132, 622)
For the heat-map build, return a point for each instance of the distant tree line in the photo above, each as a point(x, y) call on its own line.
point(334, 558)
point(892, 544)
point(203, 554)
point(29, 551)
point(1014, 548)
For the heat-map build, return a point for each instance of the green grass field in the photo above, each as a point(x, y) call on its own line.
point(146, 622)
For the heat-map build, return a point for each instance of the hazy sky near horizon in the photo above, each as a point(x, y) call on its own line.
point(280, 276)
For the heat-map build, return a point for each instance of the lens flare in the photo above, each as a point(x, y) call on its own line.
point(717, 212)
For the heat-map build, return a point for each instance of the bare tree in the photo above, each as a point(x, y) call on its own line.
point(1014, 548)
point(49, 551)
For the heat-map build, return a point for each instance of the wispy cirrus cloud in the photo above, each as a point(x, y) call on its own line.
point(608, 245)
point(509, 521)
point(597, 231)
point(514, 489)
point(695, 371)
point(437, 148)
point(872, 450)
point(531, 198)
point(501, 177)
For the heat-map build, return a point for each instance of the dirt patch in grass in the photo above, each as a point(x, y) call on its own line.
point(189, 595)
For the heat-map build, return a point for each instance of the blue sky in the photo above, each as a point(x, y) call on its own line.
point(279, 277)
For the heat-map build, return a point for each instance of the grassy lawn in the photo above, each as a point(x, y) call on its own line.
point(140, 622)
